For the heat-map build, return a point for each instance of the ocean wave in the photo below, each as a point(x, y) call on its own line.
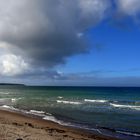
point(38, 112)
point(95, 101)
point(41, 114)
point(125, 106)
point(53, 119)
point(69, 102)
point(129, 133)
point(9, 107)
point(35, 112)
point(63, 123)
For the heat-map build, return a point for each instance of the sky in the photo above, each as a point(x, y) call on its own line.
point(70, 43)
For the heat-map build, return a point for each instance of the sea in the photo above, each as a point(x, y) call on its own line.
point(110, 111)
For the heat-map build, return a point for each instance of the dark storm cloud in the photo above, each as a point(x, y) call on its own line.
point(44, 33)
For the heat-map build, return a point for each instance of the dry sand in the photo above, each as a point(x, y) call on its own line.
point(15, 126)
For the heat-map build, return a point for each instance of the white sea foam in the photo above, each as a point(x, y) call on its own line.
point(38, 112)
point(125, 106)
point(6, 106)
point(53, 119)
point(68, 102)
point(15, 99)
point(48, 114)
point(9, 107)
point(95, 101)
point(60, 97)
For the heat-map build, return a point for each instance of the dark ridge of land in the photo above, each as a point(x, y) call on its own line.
point(11, 84)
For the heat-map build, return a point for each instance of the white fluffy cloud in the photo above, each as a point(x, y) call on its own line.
point(129, 7)
point(12, 65)
point(93, 11)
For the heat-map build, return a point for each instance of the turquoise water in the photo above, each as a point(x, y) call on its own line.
point(110, 111)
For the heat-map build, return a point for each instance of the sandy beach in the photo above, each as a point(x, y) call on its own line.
point(16, 126)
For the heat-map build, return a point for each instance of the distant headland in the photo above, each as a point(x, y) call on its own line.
point(11, 84)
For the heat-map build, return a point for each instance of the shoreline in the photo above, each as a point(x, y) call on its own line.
point(15, 125)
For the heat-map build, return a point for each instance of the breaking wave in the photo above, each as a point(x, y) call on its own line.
point(95, 101)
point(53, 119)
point(69, 102)
point(38, 112)
point(125, 106)
point(9, 107)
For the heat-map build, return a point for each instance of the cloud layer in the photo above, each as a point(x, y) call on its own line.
point(129, 7)
point(44, 33)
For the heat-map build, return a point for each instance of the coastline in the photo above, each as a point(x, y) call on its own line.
point(14, 125)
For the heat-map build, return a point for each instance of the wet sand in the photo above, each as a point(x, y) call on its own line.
point(16, 126)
